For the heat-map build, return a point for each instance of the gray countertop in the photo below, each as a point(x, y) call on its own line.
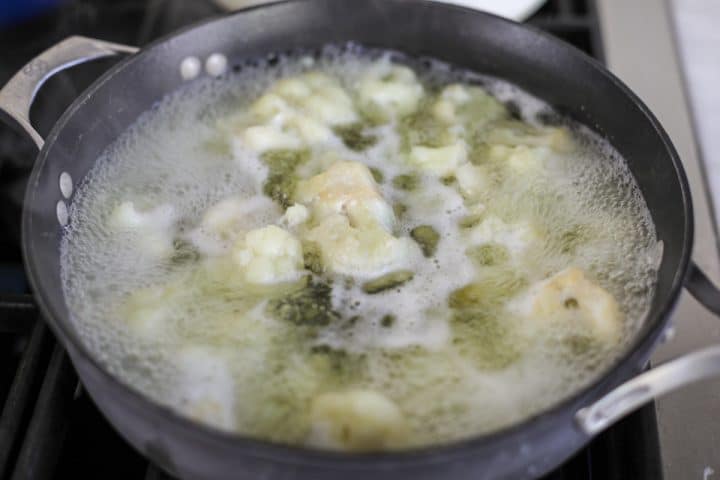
point(640, 48)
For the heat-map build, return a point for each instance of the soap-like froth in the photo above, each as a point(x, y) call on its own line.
point(585, 209)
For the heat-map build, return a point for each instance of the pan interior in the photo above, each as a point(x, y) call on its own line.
point(188, 339)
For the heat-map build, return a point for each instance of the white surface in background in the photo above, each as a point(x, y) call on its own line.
point(696, 24)
point(513, 9)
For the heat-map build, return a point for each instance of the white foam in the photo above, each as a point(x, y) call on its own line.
point(176, 155)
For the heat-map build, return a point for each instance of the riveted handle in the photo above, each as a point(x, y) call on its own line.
point(17, 95)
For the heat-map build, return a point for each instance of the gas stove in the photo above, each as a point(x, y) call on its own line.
point(49, 428)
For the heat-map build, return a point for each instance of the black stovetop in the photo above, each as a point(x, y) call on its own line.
point(49, 428)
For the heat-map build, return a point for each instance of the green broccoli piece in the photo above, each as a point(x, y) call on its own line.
point(309, 306)
point(387, 281)
point(489, 254)
point(427, 237)
point(281, 180)
point(354, 138)
point(407, 182)
point(312, 257)
point(487, 293)
point(377, 174)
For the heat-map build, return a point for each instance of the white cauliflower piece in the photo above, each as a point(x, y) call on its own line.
point(348, 188)
point(297, 112)
point(269, 255)
point(440, 161)
point(516, 237)
point(205, 387)
point(356, 420)
point(472, 180)
point(318, 96)
point(296, 214)
point(147, 311)
point(365, 251)
point(514, 133)
point(226, 220)
point(461, 103)
point(389, 91)
point(153, 229)
point(528, 160)
point(261, 138)
point(570, 298)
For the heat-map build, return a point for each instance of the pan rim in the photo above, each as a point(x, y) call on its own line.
point(624, 366)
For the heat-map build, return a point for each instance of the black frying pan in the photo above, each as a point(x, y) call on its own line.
point(563, 76)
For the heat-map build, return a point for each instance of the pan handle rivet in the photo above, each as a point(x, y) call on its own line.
point(190, 68)
point(66, 184)
point(216, 64)
point(62, 213)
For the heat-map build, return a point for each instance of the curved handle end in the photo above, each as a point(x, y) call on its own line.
point(17, 95)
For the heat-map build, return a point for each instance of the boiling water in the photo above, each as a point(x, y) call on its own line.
point(213, 352)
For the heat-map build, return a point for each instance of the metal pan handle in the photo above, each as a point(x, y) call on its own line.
point(665, 378)
point(17, 95)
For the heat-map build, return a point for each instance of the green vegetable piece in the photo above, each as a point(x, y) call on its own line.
point(387, 321)
point(281, 180)
point(312, 257)
point(390, 280)
point(487, 293)
point(422, 128)
point(571, 303)
point(340, 367)
point(354, 138)
point(377, 174)
point(489, 254)
point(448, 180)
point(485, 339)
point(183, 252)
point(309, 306)
point(470, 221)
point(400, 209)
point(427, 237)
point(407, 182)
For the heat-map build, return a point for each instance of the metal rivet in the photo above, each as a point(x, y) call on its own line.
point(66, 184)
point(62, 213)
point(190, 68)
point(216, 64)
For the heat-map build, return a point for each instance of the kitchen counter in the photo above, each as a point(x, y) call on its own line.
point(640, 48)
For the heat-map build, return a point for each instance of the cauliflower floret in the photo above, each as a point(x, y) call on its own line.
point(147, 311)
point(440, 161)
point(349, 188)
point(318, 96)
point(569, 297)
point(365, 251)
point(287, 131)
point(472, 180)
point(528, 160)
point(226, 220)
point(205, 387)
point(356, 420)
point(460, 103)
point(389, 91)
point(297, 112)
point(296, 214)
point(513, 133)
point(269, 255)
point(261, 138)
point(153, 228)
point(516, 237)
